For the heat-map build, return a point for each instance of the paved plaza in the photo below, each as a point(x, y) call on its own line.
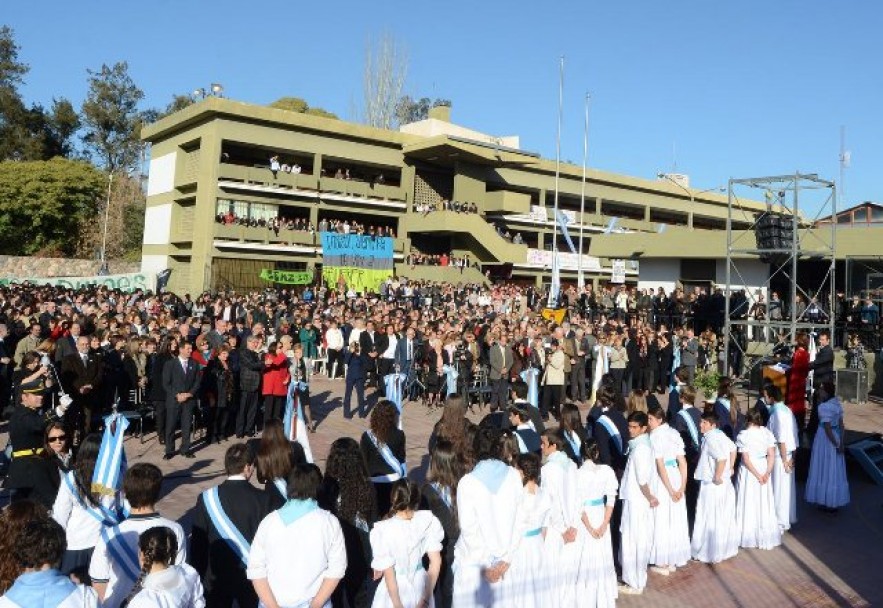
point(827, 560)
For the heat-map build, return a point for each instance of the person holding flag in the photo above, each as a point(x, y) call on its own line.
point(297, 403)
point(393, 385)
point(224, 524)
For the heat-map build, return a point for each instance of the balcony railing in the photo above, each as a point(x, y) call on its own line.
point(262, 234)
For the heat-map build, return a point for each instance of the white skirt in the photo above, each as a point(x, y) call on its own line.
point(596, 585)
point(411, 589)
point(715, 535)
point(532, 578)
point(785, 495)
point(671, 531)
point(636, 541)
point(756, 512)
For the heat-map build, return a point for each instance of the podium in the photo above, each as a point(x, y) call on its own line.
point(777, 375)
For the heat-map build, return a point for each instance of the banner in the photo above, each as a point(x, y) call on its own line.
point(617, 271)
point(364, 262)
point(566, 261)
point(288, 277)
point(562, 225)
point(124, 282)
point(554, 314)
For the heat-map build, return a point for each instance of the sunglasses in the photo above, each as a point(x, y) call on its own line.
point(57, 438)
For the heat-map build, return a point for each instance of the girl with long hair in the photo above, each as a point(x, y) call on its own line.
point(161, 581)
point(451, 426)
point(574, 433)
point(439, 495)
point(383, 446)
point(276, 456)
point(347, 493)
point(13, 520)
point(530, 569)
point(398, 544)
point(726, 406)
point(81, 511)
point(57, 446)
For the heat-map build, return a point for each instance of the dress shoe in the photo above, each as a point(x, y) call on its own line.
point(168, 456)
point(189, 455)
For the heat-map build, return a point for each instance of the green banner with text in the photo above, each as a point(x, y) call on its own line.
point(288, 277)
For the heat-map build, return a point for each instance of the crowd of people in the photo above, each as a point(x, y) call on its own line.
point(541, 503)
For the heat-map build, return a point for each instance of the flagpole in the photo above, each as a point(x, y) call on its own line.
point(553, 295)
point(580, 279)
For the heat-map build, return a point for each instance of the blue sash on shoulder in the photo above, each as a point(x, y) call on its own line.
point(226, 529)
point(607, 423)
point(399, 468)
point(104, 516)
point(123, 555)
point(691, 426)
point(282, 486)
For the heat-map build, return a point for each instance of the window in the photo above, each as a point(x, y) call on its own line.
point(246, 210)
point(844, 218)
point(876, 214)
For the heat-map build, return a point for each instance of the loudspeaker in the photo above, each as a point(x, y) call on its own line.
point(852, 385)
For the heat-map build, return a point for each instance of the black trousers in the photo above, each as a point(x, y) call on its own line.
point(179, 414)
point(243, 593)
point(499, 394)
point(159, 412)
point(335, 363)
point(248, 407)
point(274, 406)
point(551, 401)
point(578, 380)
point(359, 385)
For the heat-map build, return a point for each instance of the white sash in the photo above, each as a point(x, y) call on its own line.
point(282, 487)
point(101, 513)
point(226, 529)
point(399, 468)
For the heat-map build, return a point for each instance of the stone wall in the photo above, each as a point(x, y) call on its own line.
point(20, 267)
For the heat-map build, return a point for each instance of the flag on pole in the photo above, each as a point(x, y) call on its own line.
point(555, 287)
point(293, 423)
point(563, 220)
point(107, 477)
point(611, 225)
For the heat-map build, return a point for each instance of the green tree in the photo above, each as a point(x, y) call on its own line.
point(111, 117)
point(410, 110)
point(40, 202)
point(296, 104)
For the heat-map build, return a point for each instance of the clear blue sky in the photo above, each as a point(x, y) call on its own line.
point(740, 89)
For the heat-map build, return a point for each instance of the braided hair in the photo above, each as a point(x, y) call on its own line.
point(158, 545)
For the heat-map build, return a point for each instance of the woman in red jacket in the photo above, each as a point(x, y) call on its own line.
point(275, 382)
point(796, 399)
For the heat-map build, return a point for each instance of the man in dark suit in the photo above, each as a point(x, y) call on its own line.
point(501, 359)
point(81, 375)
point(823, 371)
point(367, 345)
point(250, 368)
point(222, 569)
point(67, 345)
point(406, 351)
point(180, 379)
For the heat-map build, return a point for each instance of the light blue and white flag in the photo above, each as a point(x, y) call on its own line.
point(111, 464)
point(563, 220)
point(393, 384)
point(611, 225)
point(529, 375)
point(451, 376)
point(293, 421)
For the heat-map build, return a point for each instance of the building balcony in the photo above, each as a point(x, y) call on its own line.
point(266, 236)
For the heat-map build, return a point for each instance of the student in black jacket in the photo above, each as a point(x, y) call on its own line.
point(439, 495)
point(383, 446)
point(221, 568)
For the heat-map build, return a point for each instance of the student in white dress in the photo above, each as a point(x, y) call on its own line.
point(826, 485)
point(558, 481)
point(39, 550)
point(638, 503)
point(530, 571)
point(755, 503)
point(715, 534)
point(162, 583)
point(783, 425)
point(671, 533)
point(398, 544)
point(308, 575)
point(596, 488)
point(488, 502)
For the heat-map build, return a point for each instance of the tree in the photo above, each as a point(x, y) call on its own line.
point(125, 222)
point(296, 104)
point(386, 67)
point(40, 202)
point(178, 103)
point(410, 110)
point(111, 117)
point(12, 71)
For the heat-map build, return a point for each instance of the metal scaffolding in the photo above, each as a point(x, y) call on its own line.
point(794, 203)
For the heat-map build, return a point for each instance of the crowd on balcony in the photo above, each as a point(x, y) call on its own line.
point(417, 258)
point(446, 205)
point(276, 166)
point(353, 227)
point(276, 224)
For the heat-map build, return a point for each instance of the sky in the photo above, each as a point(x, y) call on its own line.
point(715, 90)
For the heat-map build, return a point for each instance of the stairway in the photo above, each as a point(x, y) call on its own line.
point(484, 234)
point(869, 454)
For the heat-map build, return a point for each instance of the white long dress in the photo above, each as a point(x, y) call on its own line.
point(529, 571)
point(596, 587)
point(637, 515)
point(827, 485)
point(558, 477)
point(783, 425)
point(671, 532)
point(715, 534)
point(401, 544)
point(755, 503)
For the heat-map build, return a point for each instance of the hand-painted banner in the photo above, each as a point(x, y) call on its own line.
point(287, 277)
point(124, 282)
point(363, 261)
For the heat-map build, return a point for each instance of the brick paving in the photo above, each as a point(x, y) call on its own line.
point(827, 560)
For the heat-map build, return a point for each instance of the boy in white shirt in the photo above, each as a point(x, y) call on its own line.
point(638, 503)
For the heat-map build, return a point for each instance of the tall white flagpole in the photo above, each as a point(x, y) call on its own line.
point(580, 278)
point(553, 288)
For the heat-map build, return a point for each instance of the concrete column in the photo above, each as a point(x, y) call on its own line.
point(597, 205)
point(690, 219)
point(647, 213)
point(204, 210)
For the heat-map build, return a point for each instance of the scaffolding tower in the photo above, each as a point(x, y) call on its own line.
point(782, 235)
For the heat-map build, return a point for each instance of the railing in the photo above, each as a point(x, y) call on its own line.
point(262, 234)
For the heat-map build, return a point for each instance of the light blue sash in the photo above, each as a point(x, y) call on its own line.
point(534, 532)
point(724, 402)
point(123, 555)
point(529, 376)
point(226, 529)
point(575, 443)
point(691, 425)
point(282, 487)
point(399, 468)
point(111, 463)
point(43, 588)
point(607, 423)
point(491, 473)
point(105, 516)
point(633, 443)
point(293, 408)
point(444, 493)
point(522, 447)
point(593, 502)
point(451, 376)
